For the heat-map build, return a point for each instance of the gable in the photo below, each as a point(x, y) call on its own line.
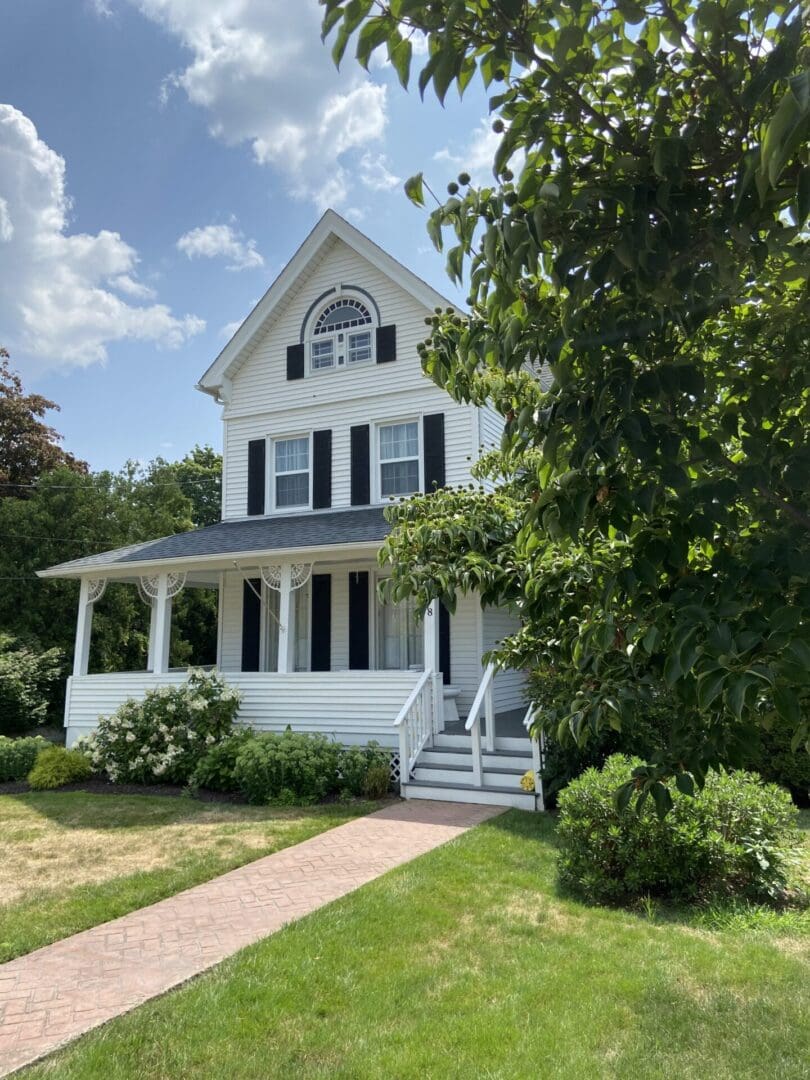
point(347, 252)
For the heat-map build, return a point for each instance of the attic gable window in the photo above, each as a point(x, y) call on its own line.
point(338, 335)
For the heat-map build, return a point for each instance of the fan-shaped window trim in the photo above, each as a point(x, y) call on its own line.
point(341, 332)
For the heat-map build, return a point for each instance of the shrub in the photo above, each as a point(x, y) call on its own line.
point(563, 761)
point(733, 839)
point(356, 763)
point(776, 761)
point(288, 767)
point(216, 769)
point(25, 679)
point(164, 736)
point(377, 781)
point(17, 756)
point(55, 766)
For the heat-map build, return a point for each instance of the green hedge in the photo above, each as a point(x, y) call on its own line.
point(17, 756)
point(735, 838)
point(56, 766)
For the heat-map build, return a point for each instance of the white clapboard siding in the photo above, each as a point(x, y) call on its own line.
point(490, 430)
point(265, 404)
point(509, 686)
point(465, 656)
point(351, 706)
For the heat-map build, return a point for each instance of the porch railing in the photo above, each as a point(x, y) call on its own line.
point(419, 719)
point(483, 699)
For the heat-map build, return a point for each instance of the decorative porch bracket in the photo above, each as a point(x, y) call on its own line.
point(91, 590)
point(285, 578)
point(148, 586)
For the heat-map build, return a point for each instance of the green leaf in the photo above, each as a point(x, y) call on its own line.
point(623, 795)
point(400, 57)
point(710, 685)
point(662, 797)
point(414, 189)
point(685, 784)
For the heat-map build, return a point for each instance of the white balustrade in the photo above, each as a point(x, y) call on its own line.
point(418, 721)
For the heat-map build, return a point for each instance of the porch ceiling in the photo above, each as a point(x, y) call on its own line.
point(218, 545)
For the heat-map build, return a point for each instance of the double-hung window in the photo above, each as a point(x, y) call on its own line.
point(291, 472)
point(399, 458)
point(400, 641)
point(359, 347)
point(342, 335)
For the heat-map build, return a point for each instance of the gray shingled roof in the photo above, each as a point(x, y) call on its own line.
point(318, 529)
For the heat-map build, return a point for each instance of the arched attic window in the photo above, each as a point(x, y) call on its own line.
point(342, 335)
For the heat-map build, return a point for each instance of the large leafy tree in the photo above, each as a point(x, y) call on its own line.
point(639, 314)
point(28, 446)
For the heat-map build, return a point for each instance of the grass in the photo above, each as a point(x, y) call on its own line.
point(468, 963)
point(71, 860)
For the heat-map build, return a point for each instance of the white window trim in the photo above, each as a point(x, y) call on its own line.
point(270, 494)
point(376, 461)
point(310, 338)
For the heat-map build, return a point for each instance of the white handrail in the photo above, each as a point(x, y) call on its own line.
point(414, 694)
point(489, 674)
point(417, 721)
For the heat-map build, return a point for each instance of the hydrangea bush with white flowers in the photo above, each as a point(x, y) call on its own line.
point(163, 736)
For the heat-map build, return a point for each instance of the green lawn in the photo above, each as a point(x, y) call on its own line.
point(70, 860)
point(467, 963)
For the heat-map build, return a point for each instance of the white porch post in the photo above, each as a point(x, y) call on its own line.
point(84, 627)
point(150, 659)
point(431, 631)
point(161, 624)
point(286, 615)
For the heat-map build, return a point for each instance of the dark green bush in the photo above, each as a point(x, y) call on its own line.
point(357, 762)
point(25, 680)
point(736, 838)
point(216, 770)
point(17, 756)
point(775, 761)
point(288, 767)
point(564, 761)
point(55, 766)
point(377, 782)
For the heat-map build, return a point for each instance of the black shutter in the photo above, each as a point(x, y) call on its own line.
point(321, 654)
point(433, 432)
point(361, 480)
point(358, 620)
point(321, 470)
point(444, 643)
point(386, 344)
point(295, 361)
point(257, 457)
point(251, 623)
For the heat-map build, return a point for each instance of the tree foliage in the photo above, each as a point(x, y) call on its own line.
point(28, 446)
point(638, 291)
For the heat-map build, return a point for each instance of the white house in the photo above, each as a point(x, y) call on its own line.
point(327, 415)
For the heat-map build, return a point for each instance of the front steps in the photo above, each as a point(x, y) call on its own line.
point(444, 771)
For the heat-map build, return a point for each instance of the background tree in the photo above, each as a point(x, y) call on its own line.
point(28, 447)
point(644, 244)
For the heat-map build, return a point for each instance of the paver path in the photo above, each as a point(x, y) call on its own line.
point(55, 994)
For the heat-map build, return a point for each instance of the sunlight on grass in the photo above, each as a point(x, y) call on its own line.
point(469, 963)
point(69, 860)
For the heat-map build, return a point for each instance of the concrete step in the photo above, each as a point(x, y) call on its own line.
point(462, 742)
point(501, 759)
point(460, 774)
point(465, 793)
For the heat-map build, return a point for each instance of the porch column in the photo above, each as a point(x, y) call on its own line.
point(161, 627)
point(84, 628)
point(150, 659)
point(431, 631)
point(286, 615)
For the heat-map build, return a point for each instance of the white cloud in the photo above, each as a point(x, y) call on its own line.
point(477, 155)
point(59, 301)
point(259, 70)
point(221, 241)
point(6, 224)
point(375, 174)
point(125, 283)
point(229, 329)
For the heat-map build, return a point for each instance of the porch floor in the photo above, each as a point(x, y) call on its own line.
point(508, 725)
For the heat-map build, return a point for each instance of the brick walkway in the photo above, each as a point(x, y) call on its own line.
point(61, 991)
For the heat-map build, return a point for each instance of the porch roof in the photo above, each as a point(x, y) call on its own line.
point(245, 536)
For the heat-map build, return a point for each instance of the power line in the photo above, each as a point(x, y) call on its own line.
point(144, 482)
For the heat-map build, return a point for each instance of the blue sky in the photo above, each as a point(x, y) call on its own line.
point(160, 161)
